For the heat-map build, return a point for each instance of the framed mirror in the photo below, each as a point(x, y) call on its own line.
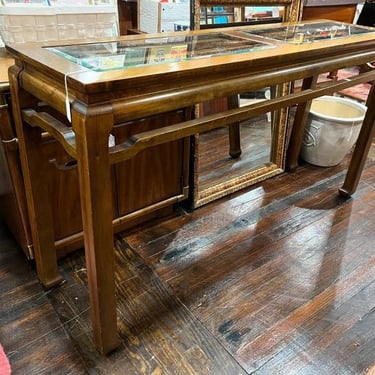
point(219, 169)
point(223, 166)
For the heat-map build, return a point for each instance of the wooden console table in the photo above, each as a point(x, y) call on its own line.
point(87, 82)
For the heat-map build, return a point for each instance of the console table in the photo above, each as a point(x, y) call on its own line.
point(79, 92)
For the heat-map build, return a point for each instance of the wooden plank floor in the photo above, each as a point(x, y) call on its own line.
point(276, 279)
point(31, 332)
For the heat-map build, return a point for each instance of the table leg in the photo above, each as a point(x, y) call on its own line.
point(298, 129)
point(361, 149)
point(36, 188)
point(92, 126)
point(234, 129)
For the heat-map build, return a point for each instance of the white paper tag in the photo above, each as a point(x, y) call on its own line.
point(111, 141)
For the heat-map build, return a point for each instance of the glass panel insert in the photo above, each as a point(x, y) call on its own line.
point(307, 33)
point(123, 54)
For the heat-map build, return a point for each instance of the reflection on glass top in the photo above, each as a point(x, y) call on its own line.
point(123, 54)
point(306, 33)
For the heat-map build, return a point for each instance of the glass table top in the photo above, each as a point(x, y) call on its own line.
point(156, 50)
point(123, 54)
point(310, 32)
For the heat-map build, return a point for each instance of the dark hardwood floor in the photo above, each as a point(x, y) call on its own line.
point(276, 279)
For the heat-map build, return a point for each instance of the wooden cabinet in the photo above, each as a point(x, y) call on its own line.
point(143, 187)
point(150, 177)
point(337, 12)
point(127, 15)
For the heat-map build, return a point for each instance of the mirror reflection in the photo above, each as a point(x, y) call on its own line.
point(226, 160)
point(219, 15)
